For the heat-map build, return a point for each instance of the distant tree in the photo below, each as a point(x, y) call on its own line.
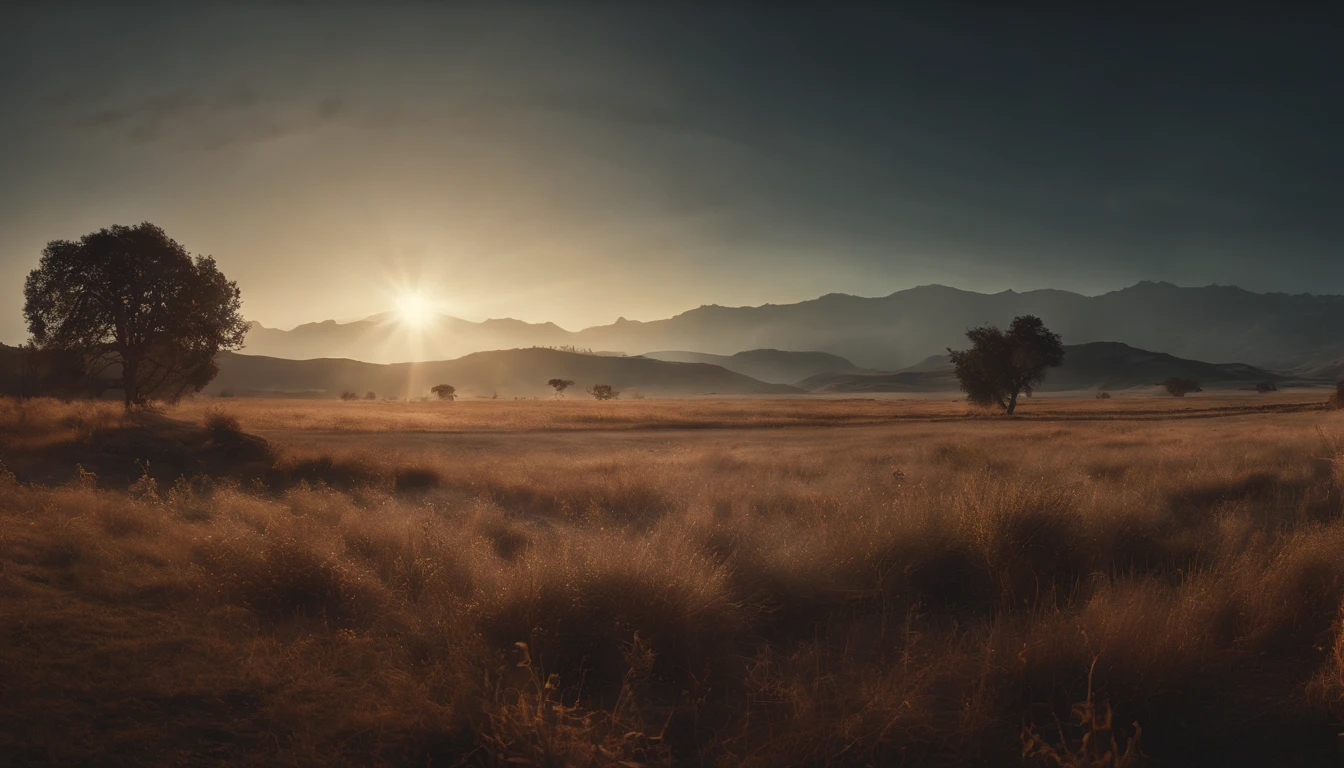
point(1001, 365)
point(370, 396)
point(1266, 386)
point(444, 391)
point(1180, 387)
point(1337, 399)
point(1103, 395)
point(634, 394)
point(348, 396)
point(132, 300)
point(560, 385)
point(603, 392)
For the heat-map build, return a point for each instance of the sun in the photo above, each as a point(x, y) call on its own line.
point(415, 310)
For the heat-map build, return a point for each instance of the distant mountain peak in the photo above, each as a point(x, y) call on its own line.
point(887, 333)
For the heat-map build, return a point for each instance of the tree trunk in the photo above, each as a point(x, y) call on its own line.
point(129, 370)
point(1012, 404)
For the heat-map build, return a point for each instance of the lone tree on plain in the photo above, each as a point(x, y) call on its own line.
point(370, 396)
point(1266, 386)
point(560, 385)
point(444, 391)
point(1001, 365)
point(603, 392)
point(348, 396)
point(132, 300)
point(1180, 387)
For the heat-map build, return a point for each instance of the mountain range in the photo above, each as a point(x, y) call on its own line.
point(1100, 365)
point(770, 365)
point(503, 373)
point(525, 372)
point(1292, 333)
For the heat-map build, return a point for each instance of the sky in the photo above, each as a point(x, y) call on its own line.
point(582, 161)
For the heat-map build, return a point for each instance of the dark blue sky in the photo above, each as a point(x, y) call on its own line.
point(582, 161)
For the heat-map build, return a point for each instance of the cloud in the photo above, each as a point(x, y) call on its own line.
point(189, 120)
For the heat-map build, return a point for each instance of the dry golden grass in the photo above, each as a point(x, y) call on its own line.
point(583, 588)
point(259, 415)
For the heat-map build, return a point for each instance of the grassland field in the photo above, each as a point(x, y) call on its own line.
point(710, 581)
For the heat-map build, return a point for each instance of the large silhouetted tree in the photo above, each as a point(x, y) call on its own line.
point(133, 301)
point(1001, 365)
point(560, 385)
point(444, 391)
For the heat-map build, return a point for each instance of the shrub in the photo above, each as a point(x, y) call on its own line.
point(603, 392)
point(348, 396)
point(1180, 387)
point(370, 395)
point(1266, 386)
point(222, 424)
point(1103, 395)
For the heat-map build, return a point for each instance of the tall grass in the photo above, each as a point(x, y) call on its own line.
point(987, 592)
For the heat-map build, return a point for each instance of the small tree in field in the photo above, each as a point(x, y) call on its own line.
point(133, 301)
point(603, 392)
point(1180, 387)
point(1266, 386)
point(348, 396)
point(560, 385)
point(370, 396)
point(1000, 365)
point(444, 391)
point(1337, 399)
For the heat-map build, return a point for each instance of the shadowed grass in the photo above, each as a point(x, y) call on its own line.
point(928, 594)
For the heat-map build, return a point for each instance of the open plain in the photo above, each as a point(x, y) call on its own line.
point(706, 582)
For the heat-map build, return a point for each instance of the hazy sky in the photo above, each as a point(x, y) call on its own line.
point(576, 162)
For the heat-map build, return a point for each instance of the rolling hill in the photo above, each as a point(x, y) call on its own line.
point(771, 365)
point(1271, 330)
point(506, 373)
point(1100, 365)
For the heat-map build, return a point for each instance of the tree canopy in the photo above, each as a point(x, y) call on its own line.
point(1001, 365)
point(559, 385)
point(603, 392)
point(444, 391)
point(132, 302)
point(1177, 386)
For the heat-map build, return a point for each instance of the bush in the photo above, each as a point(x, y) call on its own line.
point(370, 396)
point(221, 424)
point(1180, 387)
point(603, 392)
point(1266, 386)
point(1103, 395)
point(348, 396)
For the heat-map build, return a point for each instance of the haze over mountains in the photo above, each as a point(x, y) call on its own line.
point(505, 373)
point(1100, 365)
point(771, 365)
point(1283, 332)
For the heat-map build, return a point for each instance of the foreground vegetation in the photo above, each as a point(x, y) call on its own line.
point(939, 590)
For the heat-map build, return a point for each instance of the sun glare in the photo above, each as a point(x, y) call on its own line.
point(415, 309)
